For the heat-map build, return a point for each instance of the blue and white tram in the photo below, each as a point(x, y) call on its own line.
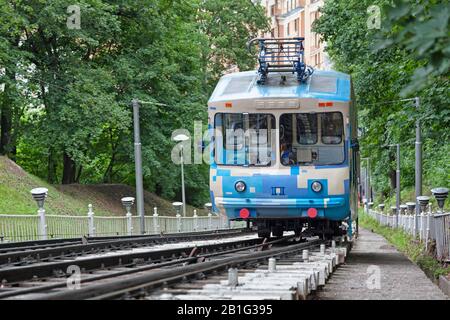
point(285, 153)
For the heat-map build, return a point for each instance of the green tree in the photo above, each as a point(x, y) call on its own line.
point(383, 74)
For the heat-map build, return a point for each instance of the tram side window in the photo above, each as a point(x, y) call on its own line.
point(311, 139)
point(332, 129)
point(307, 128)
point(244, 139)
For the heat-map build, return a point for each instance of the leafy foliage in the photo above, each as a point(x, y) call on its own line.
point(382, 64)
point(68, 93)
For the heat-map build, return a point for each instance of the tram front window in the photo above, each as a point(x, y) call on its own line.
point(312, 139)
point(244, 139)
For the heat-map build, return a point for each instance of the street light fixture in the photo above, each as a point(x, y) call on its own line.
point(441, 195)
point(403, 208)
point(177, 206)
point(411, 207)
point(423, 202)
point(39, 195)
point(128, 202)
point(208, 206)
point(182, 138)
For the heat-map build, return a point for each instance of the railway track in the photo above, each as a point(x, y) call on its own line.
point(42, 275)
point(142, 275)
point(25, 254)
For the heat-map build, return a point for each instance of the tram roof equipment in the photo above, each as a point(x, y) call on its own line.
point(281, 55)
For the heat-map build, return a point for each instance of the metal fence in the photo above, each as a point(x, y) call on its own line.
point(41, 226)
point(430, 226)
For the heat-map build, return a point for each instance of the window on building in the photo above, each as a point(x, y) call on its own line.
point(296, 25)
point(288, 29)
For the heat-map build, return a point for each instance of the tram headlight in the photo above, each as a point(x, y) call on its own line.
point(316, 186)
point(240, 186)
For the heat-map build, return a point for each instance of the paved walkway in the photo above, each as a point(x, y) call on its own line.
point(398, 277)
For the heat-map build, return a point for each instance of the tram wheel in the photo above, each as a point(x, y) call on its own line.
point(264, 233)
point(277, 232)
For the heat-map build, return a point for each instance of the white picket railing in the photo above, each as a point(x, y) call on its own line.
point(29, 227)
point(430, 226)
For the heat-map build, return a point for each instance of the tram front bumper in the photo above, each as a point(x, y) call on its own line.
point(332, 208)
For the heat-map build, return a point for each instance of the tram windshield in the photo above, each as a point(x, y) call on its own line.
point(312, 138)
point(244, 139)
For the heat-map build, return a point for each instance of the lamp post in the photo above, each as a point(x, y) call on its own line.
point(397, 182)
point(39, 195)
point(177, 205)
point(182, 138)
point(423, 203)
point(418, 166)
point(128, 202)
point(138, 165)
point(367, 187)
point(208, 206)
point(412, 220)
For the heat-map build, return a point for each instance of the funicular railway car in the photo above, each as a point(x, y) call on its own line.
point(285, 152)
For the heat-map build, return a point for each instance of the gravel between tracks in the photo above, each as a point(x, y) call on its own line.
point(399, 277)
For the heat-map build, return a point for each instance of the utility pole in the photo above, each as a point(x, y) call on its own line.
point(138, 165)
point(183, 195)
point(367, 186)
point(397, 182)
point(418, 173)
point(397, 175)
point(182, 138)
point(368, 181)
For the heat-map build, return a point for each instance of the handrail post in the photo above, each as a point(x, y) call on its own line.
point(209, 221)
point(155, 221)
point(42, 224)
point(129, 224)
point(91, 226)
point(195, 220)
point(427, 236)
point(178, 222)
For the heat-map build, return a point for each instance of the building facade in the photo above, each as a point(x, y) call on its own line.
point(294, 18)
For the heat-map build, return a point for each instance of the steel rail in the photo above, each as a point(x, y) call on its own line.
point(46, 269)
point(182, 261)
point(120, 287)
point(42, 254)
point(20, 245)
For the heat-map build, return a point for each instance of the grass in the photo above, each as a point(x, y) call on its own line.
point(15, 196)
point(406, 244)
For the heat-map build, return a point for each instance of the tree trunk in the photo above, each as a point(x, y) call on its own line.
point(51, 167)
point(6, 115)
point(393, 179)
point(107, 177)
point(6, 127)
point(69, 169)
point(78, 176)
